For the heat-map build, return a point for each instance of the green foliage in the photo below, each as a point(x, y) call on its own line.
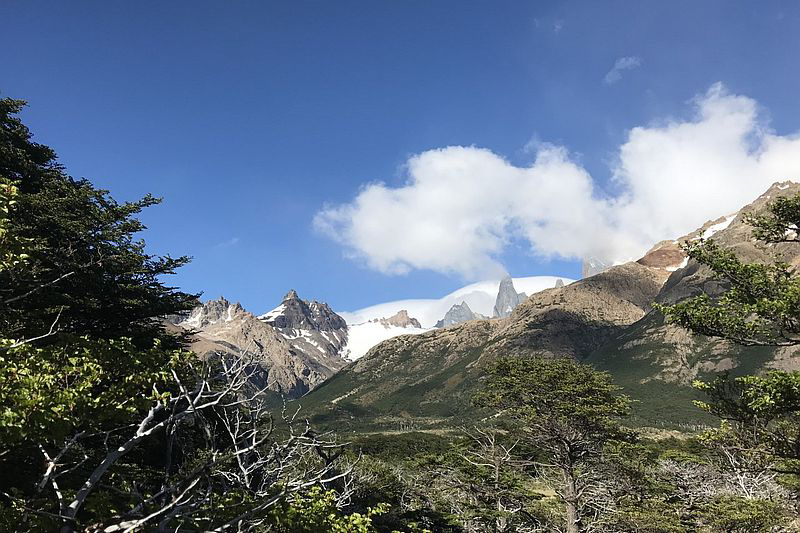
point(556, 393)
point(780, 223)
point(741, 515)
point(651, 516)
point(78, 384)
point(569, 410)
point(750, 399)
point(761, 415)
point(82, 348)
point(12, 249)
point(761, 307)
point(315, 511)
point(85, 268)
point(80, 341)
point(397, 446)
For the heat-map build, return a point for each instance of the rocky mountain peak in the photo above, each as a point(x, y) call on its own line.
point(211, 312)
point(507, 298)
point(400, 320)
point(457, 314)
point(294, 313)
point(291, 295)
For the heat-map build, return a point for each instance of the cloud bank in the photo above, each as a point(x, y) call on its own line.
point(622, 64)
point(461, 206)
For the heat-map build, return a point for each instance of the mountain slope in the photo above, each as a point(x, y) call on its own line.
point(605, 319)
point(289, 360)
point(652, 358)
point(433, 375)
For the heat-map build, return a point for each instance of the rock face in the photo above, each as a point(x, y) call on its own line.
point(399, 320)
point(592, 266)
point(294, 313)
point(606, 319)
point(294, 349)
point(210, 313)
point(507, 298)
point(457, 314)
point(310, 327)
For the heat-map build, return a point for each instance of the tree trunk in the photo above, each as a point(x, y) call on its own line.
point(573, 519)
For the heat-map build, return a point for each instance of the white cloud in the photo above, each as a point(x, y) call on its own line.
point(620, 65)
point(461, 206)
point(233, 241)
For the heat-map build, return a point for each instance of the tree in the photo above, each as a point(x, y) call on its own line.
point(567, 410)
point(82, 348)
point(760, 415)
point(239, 467)
point(85, 270)
point(761, 306)
point(106, 422)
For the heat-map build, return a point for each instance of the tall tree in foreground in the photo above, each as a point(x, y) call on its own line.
point(761, 307)
point(86, 270)
point(567, 410)
point(82, 350)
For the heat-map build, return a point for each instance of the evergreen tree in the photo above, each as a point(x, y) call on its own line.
point(86, 271)
point(82, 348)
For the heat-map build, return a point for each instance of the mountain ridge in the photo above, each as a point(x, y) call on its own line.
point(606, 319)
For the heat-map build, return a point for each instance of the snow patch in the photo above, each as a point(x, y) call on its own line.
point(278, 311)
point(362, 337)
point(707, 234)
point(683, 264)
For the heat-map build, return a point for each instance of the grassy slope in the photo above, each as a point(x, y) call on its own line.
point(660, 402)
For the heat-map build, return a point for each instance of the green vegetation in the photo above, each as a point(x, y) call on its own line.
point(563, 409)
point(107, 423)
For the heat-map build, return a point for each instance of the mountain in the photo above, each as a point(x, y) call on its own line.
point(592, 266)
point(459, 313)
point(309, 327)
point(432, 376)
point(606, 319)
point(507, 298)
point(400, 320)
point(293, 349)
point(652, 358)
point(481, 298)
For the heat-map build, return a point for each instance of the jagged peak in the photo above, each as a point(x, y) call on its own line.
point(457, 314)
point(295, 313)
point(507, 298)
point(211, 312)
point(400, 319)
point(291, 295)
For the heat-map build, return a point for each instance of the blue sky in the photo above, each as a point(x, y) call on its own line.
point(249, 118)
